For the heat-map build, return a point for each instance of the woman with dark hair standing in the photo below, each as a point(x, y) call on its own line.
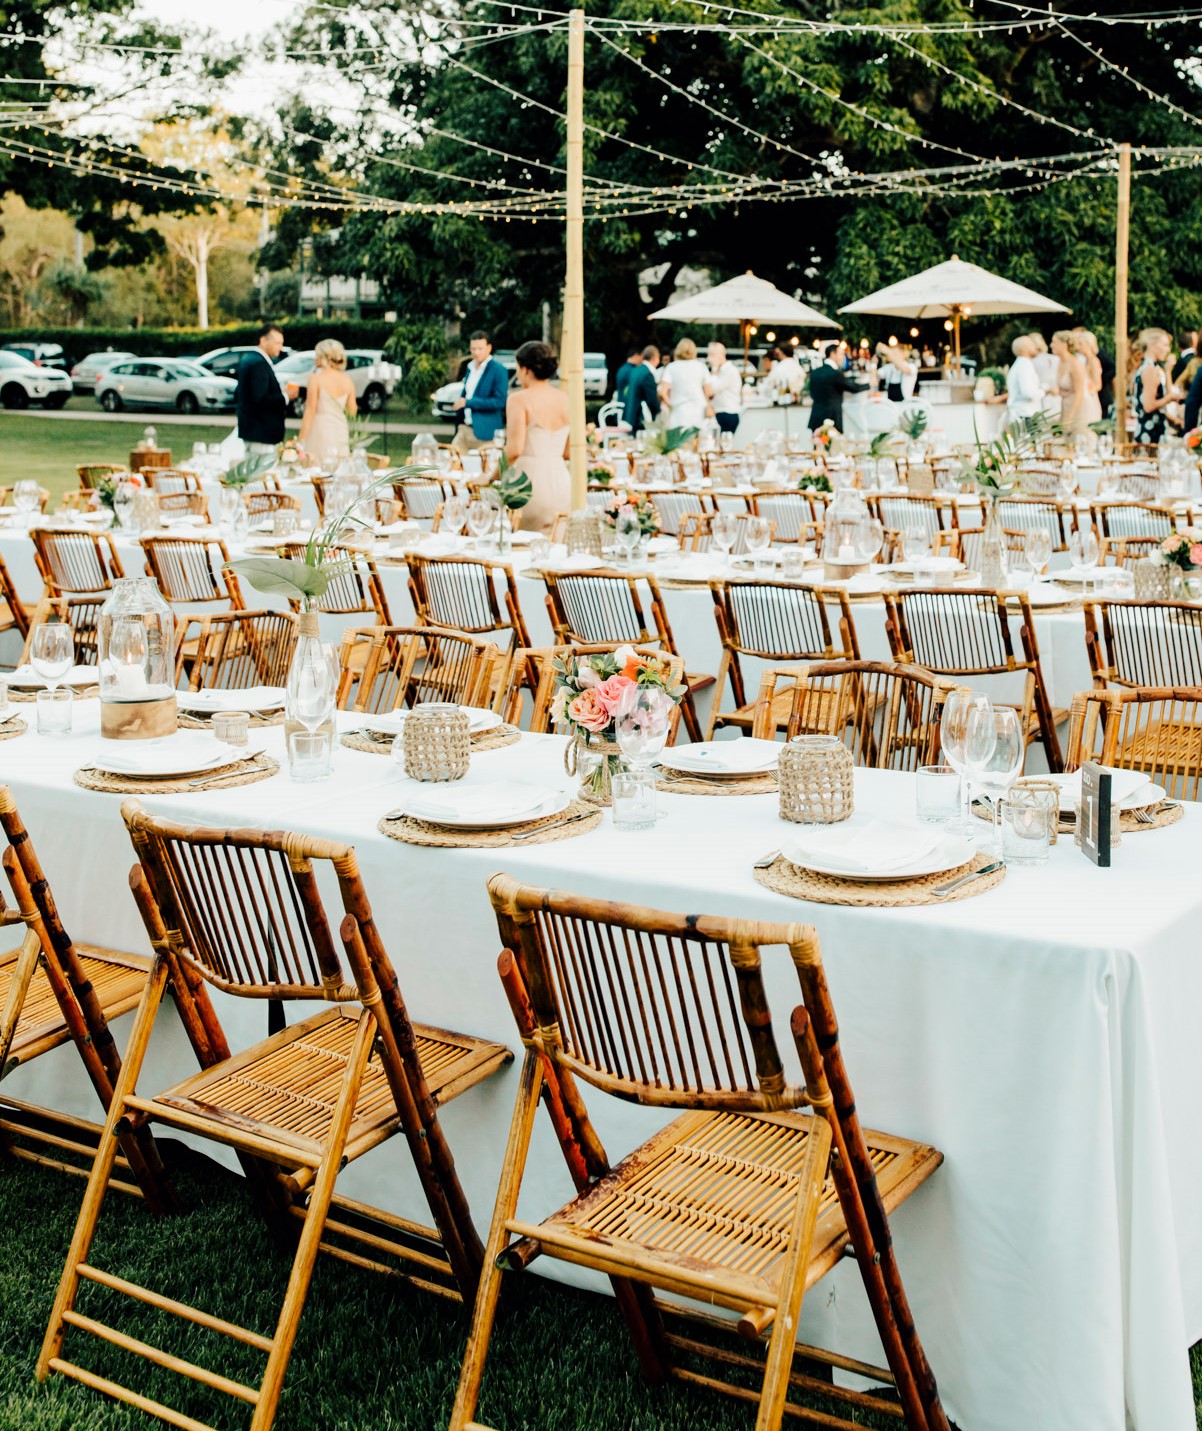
point(536, 436)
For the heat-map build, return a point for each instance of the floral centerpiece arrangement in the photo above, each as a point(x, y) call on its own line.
point(288, 452)
point(622, 501)
point(1183, 549)
point(826, 434)
point(590, 692)
point(116, 493)
point(813, 480)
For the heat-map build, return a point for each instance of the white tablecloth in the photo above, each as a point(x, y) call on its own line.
point(1043, 1035)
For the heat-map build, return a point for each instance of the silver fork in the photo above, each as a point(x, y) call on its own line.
point(1144, 816)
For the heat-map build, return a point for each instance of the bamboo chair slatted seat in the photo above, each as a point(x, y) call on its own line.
point(754, 1191)
point(967, 633)
point(385, 668)
point(773, 621)
point(355, 587)
point(240, 910)
point(81, 613)
point(54, 992)
point(886, 713)
point(74, 563)
point(192, 572)
point(264, 503)
point(1144, 643)
point(460, 594)
point(13, 613)
point(92, 474)
point(598, 610)
point(1131, 519)
point(697, 532)
point(170, 481)
point(183, 504)
point(792, 514)
point(235, 650)
point(1155, 730)
point(1025, 514)
point(6, 497)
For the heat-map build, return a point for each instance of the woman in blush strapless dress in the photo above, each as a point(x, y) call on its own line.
point(536, 437)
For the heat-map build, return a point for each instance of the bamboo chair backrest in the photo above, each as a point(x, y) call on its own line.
point(192, 571)
point(1040, 481)
point(82, 500)
point(1126, 551)
point(386, 667)
point(234, 650)
point(12, 611)
point(183, 504)
point(673, 505)
point(954, 633)
point(964, 543)
point(460, 594)
point(595, 610)
point(321, 486)
point(1144, 643)
point(81, 613)
point(420, 497)
point(91, 474)
point(75, 562)
point(778, 620)
point(260, 504)
point(243, 909)
point(791, 513)
point(1025, 514)
point(697, 532)
point(1135, 480)
point(1130, 519)
point(355, 587)
point(663, 1009)
point(886, 713)
point(1154, 730)
point(170, 481)
point(914, 514)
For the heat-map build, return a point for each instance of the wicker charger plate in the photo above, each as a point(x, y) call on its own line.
point(497, 738)
point(82, 693)
point(225, 777)
point(580, 817)
point(14, 725)
point(763, 784)
point(786, 878)
point(1168, 812)
point(194, 722)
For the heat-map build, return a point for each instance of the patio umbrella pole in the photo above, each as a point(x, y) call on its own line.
point(1121, 239)
point(573, 289)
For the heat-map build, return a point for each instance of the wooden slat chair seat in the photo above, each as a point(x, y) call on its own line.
point(234, 650)
point(117, 980)
point(241, 910)
point(191, 572)
point(967, 633)
point(75, 563)
point(752, 1194)
point(1155, 730)
point(887, 713)
point(773, 621)
point(385, 668)
point(603, 611)
point(1144, 643)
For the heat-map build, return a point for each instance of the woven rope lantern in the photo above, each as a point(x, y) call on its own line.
point(584, 533)
point(437, 742)
point(815, 778)
point(1153, 580)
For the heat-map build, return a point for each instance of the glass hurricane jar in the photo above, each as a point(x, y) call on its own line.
point(135, 645)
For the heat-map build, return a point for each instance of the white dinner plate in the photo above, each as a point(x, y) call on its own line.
point(949, 854)
point(533, 802)
point(1046, 593)
point(908, 568)
point(1144, 798)
point(25, 678)
point(391, 722)
point(187, 752)
point(723, 759)
point(255, 699)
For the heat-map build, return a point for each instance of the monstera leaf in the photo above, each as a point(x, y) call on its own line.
point(284, 576)
point(246, 471)
point(879, 446)
point(672, 438)
point(510, 488)
point(914, 423)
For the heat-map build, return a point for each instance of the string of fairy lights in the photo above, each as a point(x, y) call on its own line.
point(39, 130)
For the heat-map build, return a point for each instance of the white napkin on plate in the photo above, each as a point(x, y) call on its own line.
point(724, 757)
point(177, 754)
point(490, 800)
point(879, 848)
point(391, 722)
point(253, 698)
point(26, 676)
point(437, 544)
point(1123, 785)
point(575, 561)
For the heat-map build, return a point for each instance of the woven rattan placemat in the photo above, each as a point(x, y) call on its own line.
point(786, 878)
point(1168, 812)
point(495, 739)
point(187, 721)
point(14, 725)
point(577, 819)
point(673, 784)
point(225, 777)
point(82, 693)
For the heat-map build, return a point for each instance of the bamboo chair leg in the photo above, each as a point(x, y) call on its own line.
point(688, 710)
point(484, 1313)
point(106, 1153)
point(314, 1227)
point(22, 976)
point(719, 687)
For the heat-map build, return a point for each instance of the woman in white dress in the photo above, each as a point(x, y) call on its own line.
point(329, 401)
point(536, 436)
point(685, 388)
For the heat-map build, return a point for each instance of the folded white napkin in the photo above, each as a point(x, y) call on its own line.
point(879, 848)
point(576, 561)
point(177, 754)
point(438, 544)
point(391, 722)
point(724, 757)
point(26, 676)
point(490, 800)
point(932, 563)
point(1124, 784)
point(662, 544)
point(253, 698)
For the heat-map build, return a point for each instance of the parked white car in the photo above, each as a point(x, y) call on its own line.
point(442, 400)
point(87, 371)
point(373, 376)
point(176, 384)
point(22, 383)
point(596, 375)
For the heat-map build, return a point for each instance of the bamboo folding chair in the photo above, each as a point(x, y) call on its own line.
point(13, 615)
point(54, 992)
point(420, 497)
point(673, 505)
point(170, 481)
point(792, 514)
point(73, 563)
point(1143, 643)
point(1155, 730)
point(81, 613)
point(263, 504)
point(602, 611)
point(192, 572)
point(241, 910)
point(1131, 519)
point(384, 668)
point(1126, 551)
point(967, 633)
point(773, 621)
point(886, 713)
point(697, 532)
point(1026, 514)
point(746, 1199)
point(901, 513)
point(461, 594)
point(1039, 481)
point(183, 504)
point(234, 650)
point(92, 474)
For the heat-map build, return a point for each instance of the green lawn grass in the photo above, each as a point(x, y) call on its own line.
point(371, 1355)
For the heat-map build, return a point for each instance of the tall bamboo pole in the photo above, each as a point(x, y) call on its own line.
point(1122, 236)
point(573, 289)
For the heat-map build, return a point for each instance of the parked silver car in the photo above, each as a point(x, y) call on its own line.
point(87, 371)
point(22, 383)
point(373, 376)
point(171, 383)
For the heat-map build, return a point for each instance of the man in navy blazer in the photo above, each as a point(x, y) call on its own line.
point(480, 407)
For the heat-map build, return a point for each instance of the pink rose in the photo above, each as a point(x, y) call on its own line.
point(610, 692)
point(586, 677)
point(1195, 554)
point(590, 711)
point(1169, 544)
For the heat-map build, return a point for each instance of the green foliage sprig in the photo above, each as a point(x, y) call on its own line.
point(250, 469)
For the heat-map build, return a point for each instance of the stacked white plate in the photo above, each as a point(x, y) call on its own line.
point(723, 759)
point(1129, 790)
point(187, 752)
point(393, 722)
point(876, 851)
point(488, 805)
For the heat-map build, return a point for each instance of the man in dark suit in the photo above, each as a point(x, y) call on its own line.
point(480, 407)
point(1106, 360)
point(828, 383)
point(638, 389)
point(1188, 343)
point(260, 398)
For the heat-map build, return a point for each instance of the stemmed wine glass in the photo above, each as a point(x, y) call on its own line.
point(1037, 548)
point(644, 718)
point(915, 543)
point(724, 528)
point(479, 520)
point(26, 496)
point(454, 512)
point(995, 748)
point(1083, 553)
point(52, 652)
point(628, 532)
point(958, 710)
point(758, 532)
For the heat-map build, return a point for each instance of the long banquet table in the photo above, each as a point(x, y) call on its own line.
point(1043, 1035)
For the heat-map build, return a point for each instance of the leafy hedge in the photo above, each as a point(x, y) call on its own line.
point(182, 342)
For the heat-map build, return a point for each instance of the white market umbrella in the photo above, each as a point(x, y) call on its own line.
point(745, 300)
point(954, 290)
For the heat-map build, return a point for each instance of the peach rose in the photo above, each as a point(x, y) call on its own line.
point(590, 711)
point(1195, 554)
point(610, 692)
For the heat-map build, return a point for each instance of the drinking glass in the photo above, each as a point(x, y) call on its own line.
point(937, 794)
point(915, 543)
point(539, 549)
point(26, 496)
point(643, 720)
point(309, 755)
point(633, 796)
point(54, 711)
point(52, 651)
point(628, 532)
point(1029, 816)
point(723, 530)
point(1083, 553)
point(793, 563)
point(759, 534)
point(995, 747)
point(479, 520)
point(454, 513)
point(1037, 548)
point(953, 735)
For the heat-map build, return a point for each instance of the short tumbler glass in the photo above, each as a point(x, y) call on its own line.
point(937, 794)
point(633, 792)
point(54, 711)
point(1030, 816)
point(310, 755)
